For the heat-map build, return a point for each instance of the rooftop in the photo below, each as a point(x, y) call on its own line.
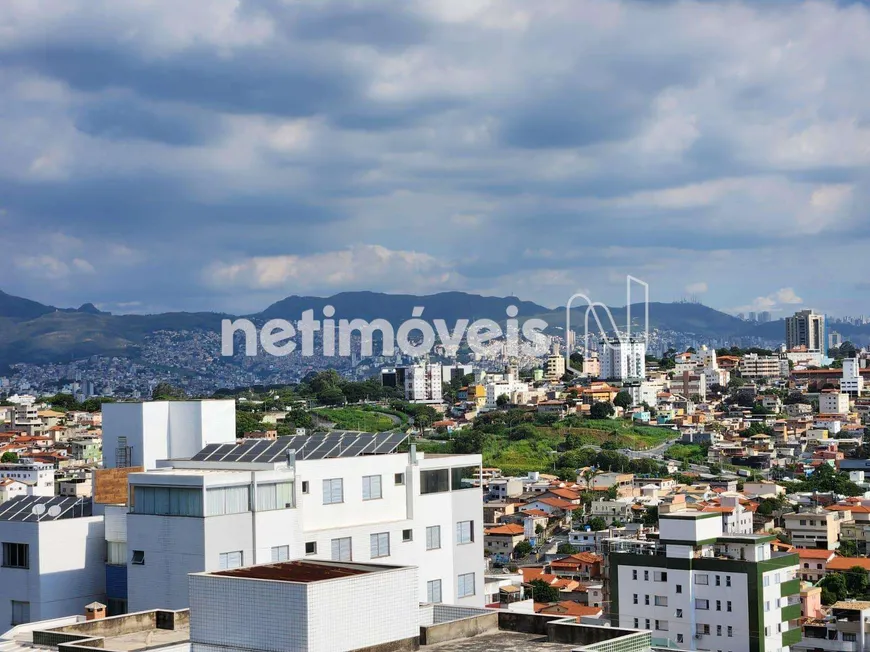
point(502, 641)
point(33, 509)
point(302, 571)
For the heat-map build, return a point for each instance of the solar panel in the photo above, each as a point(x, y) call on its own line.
point(31, 509)
point(205, 452)
point(254, 448)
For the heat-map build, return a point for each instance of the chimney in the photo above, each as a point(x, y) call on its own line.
point(95, 611)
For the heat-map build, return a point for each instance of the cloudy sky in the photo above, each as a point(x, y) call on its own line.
point(222, 154)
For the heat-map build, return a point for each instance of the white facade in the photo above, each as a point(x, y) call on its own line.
point(375, 607)
point(38, 477)
point(423, 383)
point(699, 595)
point(623, 359)
point(833, 403)
point(424, 517)
point(139, 434)
point(509, 386)
point(852, 381)
point(65, 568)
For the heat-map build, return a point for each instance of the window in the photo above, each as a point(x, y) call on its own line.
point(399, 479)
point(16, 555)
point(434, 481)
point(231, 559)
point(635, 598)
point(806, 565)
point(637, 623)
point(718, 605)
point(803, 521)
point(727, 580)
point(730, 631)
point(702, 629)
point(659, 576)
point(311, 547)
point(661, 601)
point(767, 605)
point(280, 553)
point(646, 623)
point(333, 491)
point(341, 549)
point(380, 544)
point(305, 486)
point(20, 612)
point(718, 630)
point(433, 591)
point(701, 579)
point(646, 600)
point(465, 585)
point(679, 588)
point(700, 603)
point(464, 477)
point(634, 574)
point(767, 580)
point(662, 625)
point(679, 638)
point(116, 607)
point(407, 535)
point(372, 487)
point(646, 576)
point(138, 558)
point(849, 638)
point(228, 500)
point(116, 553)
point(464, 532)
point(818, 565)
point(167, 501)
point(679, 613)
point(728, 606)
point(718, 581)
point(274, 495)
point(433, 537)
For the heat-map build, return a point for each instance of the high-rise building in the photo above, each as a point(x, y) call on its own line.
point(763, 317)
point(806, 329)
point(623, 358)
point(423, 383)
point(852, 381)
point(702, 590)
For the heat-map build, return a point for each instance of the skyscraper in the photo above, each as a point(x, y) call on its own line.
point(806, 328)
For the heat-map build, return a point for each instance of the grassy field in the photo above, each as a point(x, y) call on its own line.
point(349, 418)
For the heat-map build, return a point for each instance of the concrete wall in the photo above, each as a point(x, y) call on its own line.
point(459, 629)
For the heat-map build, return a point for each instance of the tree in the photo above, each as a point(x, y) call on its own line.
point(539, 529)
point(848, 548)
point(601, 410)
point(543, 592)
point(167, 392)
point(331, 396)
point(623, 400)
point(247, 422)
point(566, 549)
point(523, 431)
point(502, 400)
point(597, 523)
point(651, 516)
point(834, 587)
point(523, 549)
point(9, 458)
point(857, 582)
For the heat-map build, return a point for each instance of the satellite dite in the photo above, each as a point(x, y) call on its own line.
point(607, 339)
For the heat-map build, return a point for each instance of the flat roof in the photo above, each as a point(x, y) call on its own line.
point(502, 641)
point(302, 571)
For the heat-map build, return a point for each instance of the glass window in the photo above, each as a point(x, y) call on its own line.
point(276, 495)
point(380, 544)
point(728, 606)
point(16, 555)
point(662, 625)
point(464, 477)
point(228, 500)
point(635, 598)
point(116, 553)
point(465, 586)
point(433, 591)
point(305, 486)
point(138, 558)
point(701, 579)
point(700, 603)
point(231, 559)
point(434, 481)
point(310, 547)
point(167, 501)
point(661, 601)
point(634, 574)
point(280, 553)
point(727, 580)
point(20, 612)
point(433, 537)
point(399, 479)
point(333, 491)
point(730, 631)
point(371, 487)
point(407, 535)
point(341, 549)
point(679, 613)
point(679, 588)
point(464, 532)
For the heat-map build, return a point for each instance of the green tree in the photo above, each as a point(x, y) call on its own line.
point(247, 422)
point(848, 548)
point(623, 400)
point(834, 587)
point(523, 549)
point(543, 592)
point(651, 516)
point(167, 392)
point(331, 396)
point(539, 529)
point(502, 400)
point(597, 523)
point(857, 582)
point(9, 458)
point(601, 410)
point(566, 549)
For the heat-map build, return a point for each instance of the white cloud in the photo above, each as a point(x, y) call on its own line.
point(773, 302)
point(697, 288)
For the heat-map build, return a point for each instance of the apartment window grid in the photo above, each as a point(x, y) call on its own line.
point(433, 537)
point(341, 549)
point(464, 532)
point(233, 559)
point(16, 555)
point(433, 591)
point(280, 553)
point(380, 545)
point(372, 487)
point(465, 585)
point(333, 491)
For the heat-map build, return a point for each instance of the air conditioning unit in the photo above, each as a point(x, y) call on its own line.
point(699, 636)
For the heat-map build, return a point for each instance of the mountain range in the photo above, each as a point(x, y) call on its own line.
point(33, 332)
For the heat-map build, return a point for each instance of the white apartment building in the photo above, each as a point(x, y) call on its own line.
point(700, 590)
point(833, 403)
point(816, 528)
point(423, 383)
point(852, 381)
point(205, 515)
point(623, 358)
point(554, 367)
point(38, 477)
point(139, 434)
point(52, 558)
point(508, 386)
point(753, 365)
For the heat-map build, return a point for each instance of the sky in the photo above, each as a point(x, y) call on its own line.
point(222, 154)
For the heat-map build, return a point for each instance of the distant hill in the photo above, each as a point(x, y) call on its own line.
point(34, 332)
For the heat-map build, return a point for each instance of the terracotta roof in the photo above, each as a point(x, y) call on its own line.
point(535, 512)
point(506, 530)
point(558, 503)
point(567, 494)
point(855, 509)
point(845, 563)
point(815, 553)
point(716, 508)
point(567, 608)
point(578, 558)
